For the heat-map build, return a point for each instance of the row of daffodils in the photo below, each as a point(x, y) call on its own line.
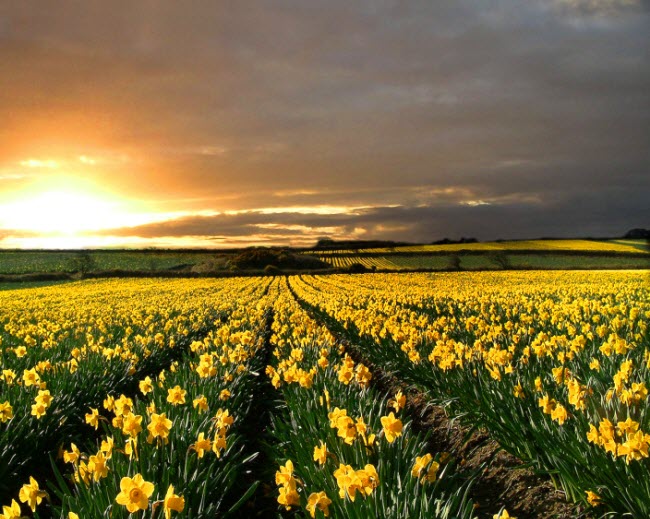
point(168, 441)
point(555, 365)
point(62, 349)
point(343, 448)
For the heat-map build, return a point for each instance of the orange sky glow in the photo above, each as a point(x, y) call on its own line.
point(219, 125)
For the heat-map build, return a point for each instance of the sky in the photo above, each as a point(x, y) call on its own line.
point(235, 123)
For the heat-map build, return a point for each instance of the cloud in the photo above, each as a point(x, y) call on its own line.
point(587, 215)
point(599, 7)
point(238, 106)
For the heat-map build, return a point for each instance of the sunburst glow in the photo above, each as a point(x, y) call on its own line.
point(64, 212)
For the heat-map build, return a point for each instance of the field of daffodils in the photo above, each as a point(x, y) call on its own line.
point(267, 396)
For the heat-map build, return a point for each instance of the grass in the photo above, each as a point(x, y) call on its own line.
point(527, 254)
point(24, 262)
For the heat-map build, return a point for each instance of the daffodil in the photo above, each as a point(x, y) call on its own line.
point(132, 424)
point(172, 502)
point(12, 511)
point(392, 427)
point(92, 418)
point(146, 385)
point(202, 444)
point(320, 453)
point(320, 501)
point(398, 402)
point(592, 498)
point(159, 427)
point(200, 403)
point(6, 412)
point(97, 466)
point(31, 494)
point(176, 395)
point(134, 493)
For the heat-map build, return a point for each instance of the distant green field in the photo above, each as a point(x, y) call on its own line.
point(23, 262)
point(532, 254)
point(642, 245)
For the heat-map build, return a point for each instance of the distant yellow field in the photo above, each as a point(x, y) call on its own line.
point(542, 245)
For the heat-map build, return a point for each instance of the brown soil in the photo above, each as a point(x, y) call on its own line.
point(503, 481)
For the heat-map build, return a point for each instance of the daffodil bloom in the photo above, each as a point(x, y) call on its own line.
point(122, 406)
point(392, 427)
point(363, 375)
point(131, 448)
point(320, 501)
point(201, 403)
point(627, 426)
point(6, 412)
point(134, 493)
point(635, 447)
point(44, 398)
point(219, 444)
point(347, 481)
point(518, 391)
point(593, 436)
point(39, 410)
point(82, 473)
point(202, 444)
point(12, 511)
point(72, 515)
point(176, 395)
point(547, 404)
point(503, 515)
point(146, 385)
point(71, 456)
point(92, 418)
point(107, 446)
point(288, 496)
point(346, 429)
point(368, 479)
point(223, 420)
point(285, 474)
point(592, 498)
point(335, 415)
point(109, 403)
point(172, 502)
point(31, 378)
point(132, 424)
point(224, 395)
point(320, 453)
point(159, 427)
point(97, 466)
point(8, 375)
point(559, 414)
point(398, 402)
point(421, 463)
point(31, 494)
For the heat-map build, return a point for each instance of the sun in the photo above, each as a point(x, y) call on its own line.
point(67, 211)
point(63, 212)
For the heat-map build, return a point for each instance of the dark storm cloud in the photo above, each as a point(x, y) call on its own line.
point(360, 103)
point(594, 214)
